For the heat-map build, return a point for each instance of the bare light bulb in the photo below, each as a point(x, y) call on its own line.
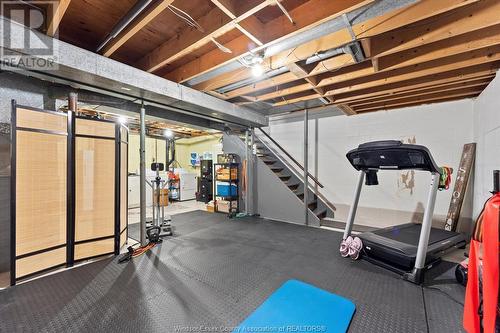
point(257, 70)
point(168, 133)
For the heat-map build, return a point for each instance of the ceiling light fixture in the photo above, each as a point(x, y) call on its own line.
point(257, 70)
point(122, 120)
point(168, 134)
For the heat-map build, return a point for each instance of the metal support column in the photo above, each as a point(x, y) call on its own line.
point(247, 171)
point(71, 180)
point(252, 193)
point(354, 207)
point(306, 167)
point(142, 167)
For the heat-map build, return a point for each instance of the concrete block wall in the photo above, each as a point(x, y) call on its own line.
point(487, 136)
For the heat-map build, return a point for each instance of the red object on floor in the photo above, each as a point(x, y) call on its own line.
point(487, 240)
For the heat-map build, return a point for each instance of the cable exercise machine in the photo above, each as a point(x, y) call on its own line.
point(409, 249)
point(161, 225)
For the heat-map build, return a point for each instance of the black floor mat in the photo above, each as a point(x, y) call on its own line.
point(214, 273)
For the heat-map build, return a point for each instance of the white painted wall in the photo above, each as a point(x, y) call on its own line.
point(444, 128)
point(487, 136)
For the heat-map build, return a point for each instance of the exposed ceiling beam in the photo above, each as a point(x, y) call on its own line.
point(479, 83)
point(215, 23)
point(252, 28)
point(452, 46)
point(229, 8)
point(346, 109)
point(57, 15)
point(412, 85)
point(473, 58)
point(455, 75)
point(419, 103)
point(362, 75)
point(390, 21)
point(135, 27)
point(461, 93)
point(331, 64)
point(293, 100)
point(470, 41)
point(301, 73)
point(306, 16)
point(475, 17)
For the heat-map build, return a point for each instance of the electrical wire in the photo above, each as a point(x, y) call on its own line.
point(143, 249)
point(186, 17)
point(220, 46)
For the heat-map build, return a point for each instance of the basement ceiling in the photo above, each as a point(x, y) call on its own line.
point(401, 52)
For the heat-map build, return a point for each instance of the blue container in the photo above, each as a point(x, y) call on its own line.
point(227, 190)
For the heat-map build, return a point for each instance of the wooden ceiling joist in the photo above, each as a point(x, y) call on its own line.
point(464, 43)
point(230, 8)
point(387, 91)
point(475, 17)
point(422, 92)
point(57, 15)
point(490, 55)
point(135, 27)
point(421, 99)
point(384, 23)
point(215, 23)
point(470, 41)
point(456, 75)
point(321, 67)
point(294, 100)
point(365, 77)
point(306, 16)
point(418, 103)
point(425, 52)
point(346, 109)
point(435, 80)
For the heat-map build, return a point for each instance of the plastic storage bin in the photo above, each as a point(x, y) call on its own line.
point(227, 190)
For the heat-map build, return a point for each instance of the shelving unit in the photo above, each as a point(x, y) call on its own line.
point(231, 181)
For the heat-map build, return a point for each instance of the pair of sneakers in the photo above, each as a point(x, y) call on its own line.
point(351, 247)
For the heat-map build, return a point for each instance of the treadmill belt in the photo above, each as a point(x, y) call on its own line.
point(410, 233)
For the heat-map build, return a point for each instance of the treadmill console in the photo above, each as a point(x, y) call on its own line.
point(391, 155)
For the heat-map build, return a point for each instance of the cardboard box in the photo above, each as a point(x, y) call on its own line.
point(163, 197)
point(211, 207)
point(227, 173)
point(224, 206)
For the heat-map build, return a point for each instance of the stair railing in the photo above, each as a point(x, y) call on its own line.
point(314, 179)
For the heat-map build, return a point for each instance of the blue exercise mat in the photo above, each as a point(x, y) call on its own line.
point(300, 307)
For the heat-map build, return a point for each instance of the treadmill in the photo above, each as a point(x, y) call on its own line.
point(408, 249)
